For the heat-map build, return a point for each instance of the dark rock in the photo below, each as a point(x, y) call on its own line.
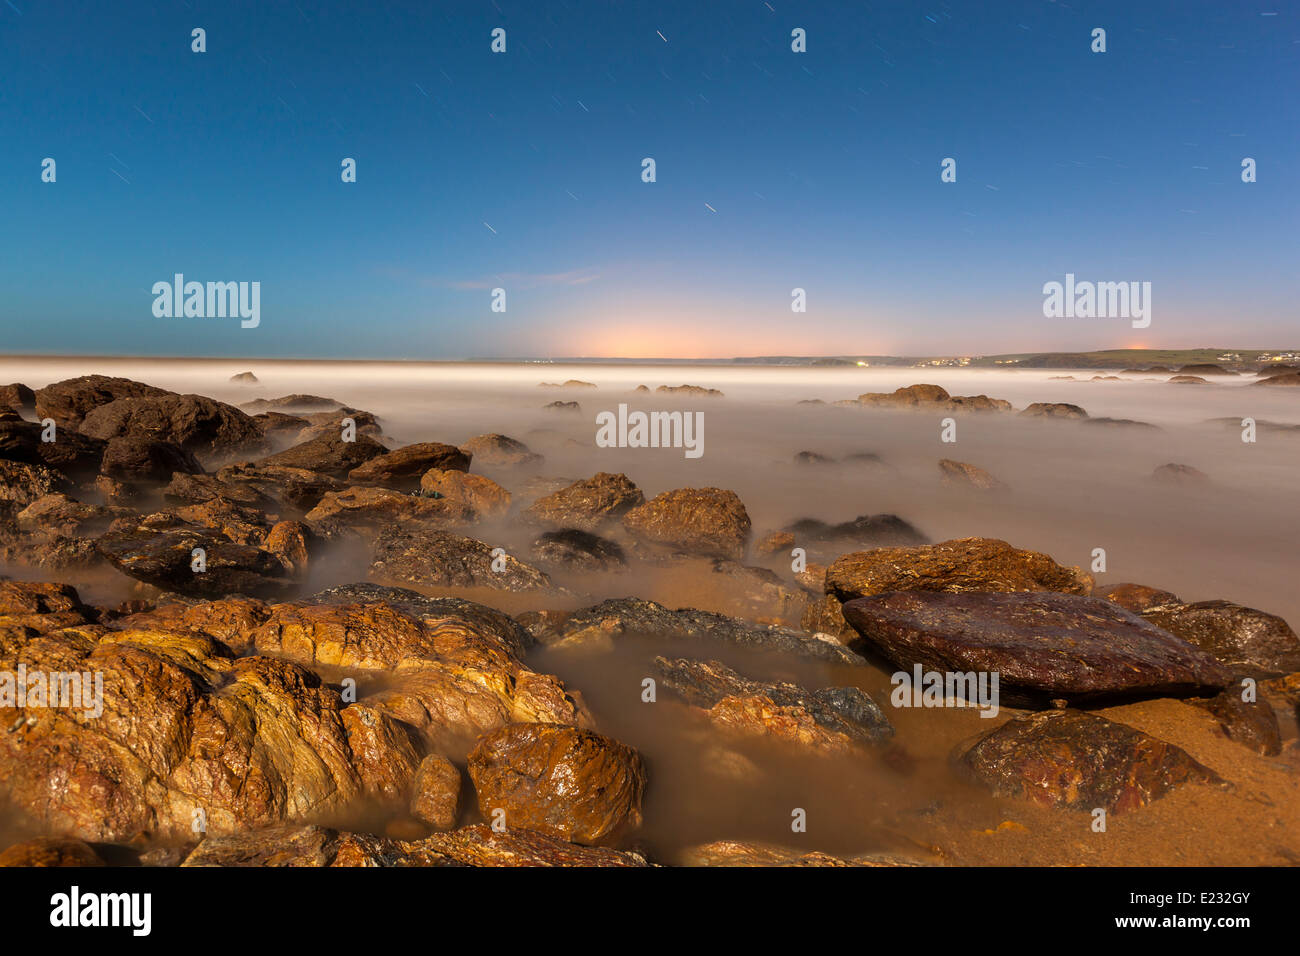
point(147, 460)
point(24, 483)
point(18, 397)
point(1250, 643)
point(578, 550)
point(403, 468)
point(1252, 724)
point(1080, 761)
point(1176, 474)
point(327, 456)
point(212, 431)
point(866, 531)
point(69, 401)
point(1053, 410)
point(1043, 645)
point(298, 488)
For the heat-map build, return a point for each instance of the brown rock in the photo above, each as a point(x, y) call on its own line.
point(500, 451)
point(444, 559)
point(1053, 410)
point(707, 521)
point(69, 401)
point(403, 468)
point(1176, 474)
point(1136, 597)
point(330, 456)
point(212, 431)
point(50, 851)
point(573, 784)
point(147, 460)
point(962, 474)
point(1250, 643)
point(435, 794)
point(587, 505)
point(479, 497)
point(963, 564)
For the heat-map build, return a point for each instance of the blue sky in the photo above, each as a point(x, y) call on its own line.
point(775, 170)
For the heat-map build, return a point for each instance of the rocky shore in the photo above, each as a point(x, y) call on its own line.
point(313, 644)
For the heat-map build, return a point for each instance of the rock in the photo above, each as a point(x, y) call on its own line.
point(197, 488)
point(435, 794)
point(832, 719)
point(962, 474)
point(160, 551)
point(1136, 597)
point(963, 564)
point(1187, 380)
point(823, 614)
point(750, 853)
point(573, 784)
point(812, 458)
point(562, 407)
point(18, 397)
point(694, 391)
point(1287, 380)
point(244, 378)
point(342, 423)
point(578, 550)
point(1043, 645)
point(571, 383)
point(444, 559)
point(296, 402)
point(1250, 643)
point(757, 592)
point(58, 514)
point(251, 741)
point(1206, 368)
point(23, 483)
point(280, 429)
point(587, 505)
point(1053, 410)
point(403, 468)
point(1252, 725)
point(1121, 423)
point(824, 541)
point(212, 431)
point(476, 496)
point(500, 451)
point(373, 509)
point(706, 521)
point(330, 456)
point(615, 618)
point(69, 401)
point(298, 488)
point(51, 851)
point(1079, 761)
point(1176, 474)
point(911, 396)
point(147, 460)
point(775, 544)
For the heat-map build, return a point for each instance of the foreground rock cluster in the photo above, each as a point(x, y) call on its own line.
point(246, 718)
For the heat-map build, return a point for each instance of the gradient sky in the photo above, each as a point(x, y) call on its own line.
point(822, 171)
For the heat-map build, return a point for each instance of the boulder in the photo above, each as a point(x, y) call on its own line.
point(212, 431)
point(1248, 642)
point(587, 505)
point(435, 793)
point(500, 451)
point(962, 474)
point(330, 456)
point(147, 460)
point(1136, 597)
point(476, 496)
point(570, 783)
point(403, 468)
point(1053, 410)
point(577, 550)
point(68, 401)
point(444, 559)
point(705, 521)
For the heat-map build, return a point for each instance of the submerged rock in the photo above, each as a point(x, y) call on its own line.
point(570, 783)
point(1079, 761)
point(1176, 474)
point(963, 564)
point(965, 475)
point(1043, 645)
point(831, 719)
point(500, 451)
point(578, 550)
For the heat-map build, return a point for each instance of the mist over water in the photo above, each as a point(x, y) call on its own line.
point(1073, 486)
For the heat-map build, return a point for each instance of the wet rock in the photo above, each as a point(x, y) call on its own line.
point(750, 853)
point(775, 544)
point(160, 551)
point(578, 550)
point(403, 468)
point(330, 456)
point(615, 618)
point(964, 475)
point(435, 794)
point(212, 431)
point(372, 508)
point(1176, 474)
point(500, 451)
point(1248, 642)
point(58, 514)
point(587, 505)
point(298, 488)
point(197, 488)
point(1187, 380)
point(444, 559)
point(244, 378)
point(295, 402)
point(23, 483)
point(18, 397)
point(280, 429)
point(476, 496)
point(573, 784)
point(963, 564)
point(705, 521)
point(823, 614)
point(831, 719)
point(337, 423)
point(251, 742)
point(69, 401)
point(1251, 724)
point(1053, 410)
point(910, 396)
point(1286, 380)
point(145, 460)
point(1121, 423)
point(51, 851)
point(693, 391)
point(1080, 761)
point(1136, 597)
point(573, 407)
point(757, 592)
point(1043, 645)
